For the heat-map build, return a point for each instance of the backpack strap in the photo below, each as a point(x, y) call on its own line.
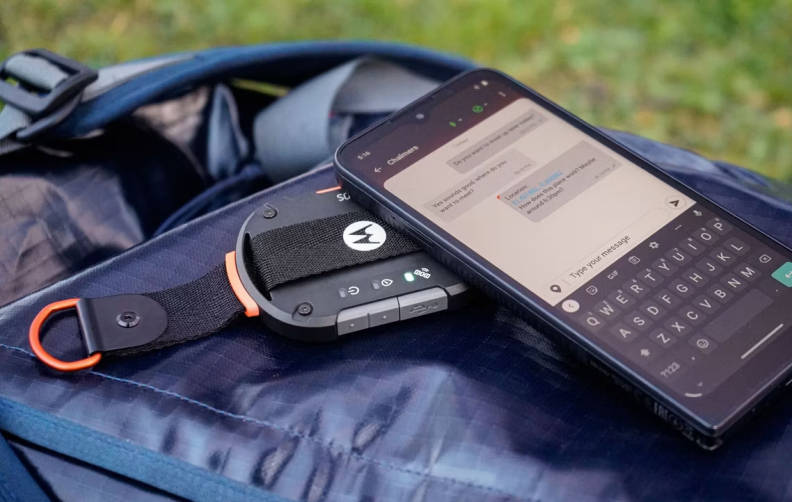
point(304, 127)
point(50, 87)
point(117, 91)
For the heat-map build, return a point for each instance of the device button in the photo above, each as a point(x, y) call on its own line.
point(422, 303)
point(353, 319)
point(383, 312)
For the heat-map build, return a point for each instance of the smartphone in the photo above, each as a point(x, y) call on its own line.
point(671, 296)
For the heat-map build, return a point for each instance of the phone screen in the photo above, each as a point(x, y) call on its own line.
point(682, 294)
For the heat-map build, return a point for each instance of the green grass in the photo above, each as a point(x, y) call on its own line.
point(714, 76)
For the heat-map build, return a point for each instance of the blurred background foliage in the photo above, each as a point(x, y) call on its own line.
point(714, 76)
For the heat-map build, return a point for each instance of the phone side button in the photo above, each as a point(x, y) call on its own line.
point(414, 234)
point(421, 239)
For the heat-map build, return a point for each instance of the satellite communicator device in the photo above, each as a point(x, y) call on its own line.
point(332, 304)
point(313, 268)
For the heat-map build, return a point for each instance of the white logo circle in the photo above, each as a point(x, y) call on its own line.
point(364, 236)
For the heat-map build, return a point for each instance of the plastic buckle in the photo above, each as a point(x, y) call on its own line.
point(47, 108)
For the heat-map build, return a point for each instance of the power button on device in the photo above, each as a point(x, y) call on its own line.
point(422, 303)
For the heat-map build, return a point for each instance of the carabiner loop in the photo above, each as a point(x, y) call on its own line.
point(35, 342)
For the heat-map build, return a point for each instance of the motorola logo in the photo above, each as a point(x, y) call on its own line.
point(364, 236)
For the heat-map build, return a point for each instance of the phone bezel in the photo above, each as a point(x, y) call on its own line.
point(443, 244)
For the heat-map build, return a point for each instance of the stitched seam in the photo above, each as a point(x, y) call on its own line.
point(292, 433)
point(187, 471)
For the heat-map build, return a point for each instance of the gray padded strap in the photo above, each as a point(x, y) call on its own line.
point(296, 133)
point(34, 70)
point(380, 87)
point(11, 120)
point(291, 135)
point(9, 145)
point(113, 76)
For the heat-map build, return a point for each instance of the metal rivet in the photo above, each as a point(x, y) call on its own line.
point(304, 309)
point(128, 319)
point(269, 212)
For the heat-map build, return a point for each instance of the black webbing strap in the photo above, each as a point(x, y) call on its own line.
point(194, 310)
point(127, 325)
point(314, 247)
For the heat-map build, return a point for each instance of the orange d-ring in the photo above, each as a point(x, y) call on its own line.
point(35, 342)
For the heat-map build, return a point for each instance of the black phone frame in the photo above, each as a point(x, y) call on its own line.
point(706, 430)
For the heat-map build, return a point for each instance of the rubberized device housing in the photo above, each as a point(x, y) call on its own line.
point(308, 309)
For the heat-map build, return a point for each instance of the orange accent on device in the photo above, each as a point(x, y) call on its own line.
point(251, 308)
point(35, 340)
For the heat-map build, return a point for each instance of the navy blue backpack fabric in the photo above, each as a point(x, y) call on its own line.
point(472, 405)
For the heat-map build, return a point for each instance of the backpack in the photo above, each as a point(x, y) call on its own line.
point(141, 180)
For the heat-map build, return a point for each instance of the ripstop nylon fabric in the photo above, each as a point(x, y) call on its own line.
point(466, 406)
point(284, 64)
point(469, 406)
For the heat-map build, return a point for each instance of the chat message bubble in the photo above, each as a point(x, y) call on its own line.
point(545, 191)
point(454, 201)
point(497, 141)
